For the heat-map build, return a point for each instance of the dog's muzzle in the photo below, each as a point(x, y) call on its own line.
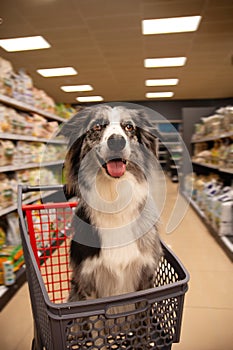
point(116, 165)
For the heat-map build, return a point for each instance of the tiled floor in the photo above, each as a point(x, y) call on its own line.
point(208, 312)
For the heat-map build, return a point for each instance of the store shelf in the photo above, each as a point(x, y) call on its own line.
point(27, 108)
point(206, 165)
point(7, 168)
point(212, 138)
point(170, 121)
point(17, 137)
point(224, 241)
point(214, 167)
point(13, 207)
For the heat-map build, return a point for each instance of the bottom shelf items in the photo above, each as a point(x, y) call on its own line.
point(225, 241)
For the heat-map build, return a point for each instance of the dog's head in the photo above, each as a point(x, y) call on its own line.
point(111, 140)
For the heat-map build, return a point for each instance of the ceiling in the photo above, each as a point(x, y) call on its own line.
point(103, 41)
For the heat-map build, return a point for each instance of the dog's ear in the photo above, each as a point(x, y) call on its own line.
point(76, 126)
point(148, 131)
point(74, 131)
point(72, 165)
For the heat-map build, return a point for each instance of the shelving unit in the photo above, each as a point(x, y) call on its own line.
point(212, 138)
point(226, 242)
point(11, 102)
point(8, 168)
point(6, 293)
point(207, 168)
point(17, 137)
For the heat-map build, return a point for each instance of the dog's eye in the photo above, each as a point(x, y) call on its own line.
point(97, 127)
point(129, 127)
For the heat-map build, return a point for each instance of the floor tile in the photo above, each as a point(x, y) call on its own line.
point(206, 329)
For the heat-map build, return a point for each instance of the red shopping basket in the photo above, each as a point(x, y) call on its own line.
point(49, 231)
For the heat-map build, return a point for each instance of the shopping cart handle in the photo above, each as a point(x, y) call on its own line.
point(26, 189)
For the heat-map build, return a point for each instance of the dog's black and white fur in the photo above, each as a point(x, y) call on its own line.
point(110, 167)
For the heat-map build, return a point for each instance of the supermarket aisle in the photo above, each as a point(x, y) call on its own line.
point(208, 312)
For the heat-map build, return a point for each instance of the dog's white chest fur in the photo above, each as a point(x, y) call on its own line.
point(116, 270)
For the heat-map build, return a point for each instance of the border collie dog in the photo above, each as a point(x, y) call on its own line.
point(110, 166)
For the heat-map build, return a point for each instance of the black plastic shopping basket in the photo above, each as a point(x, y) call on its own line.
point(154, 317)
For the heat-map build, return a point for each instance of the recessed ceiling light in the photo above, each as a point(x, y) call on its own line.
point(164, 62)
point(89, 98)
point(159, 94)
point(161, 82)
point(75, 88)
point(24, 43)
point(56, 72)
point(170, 25)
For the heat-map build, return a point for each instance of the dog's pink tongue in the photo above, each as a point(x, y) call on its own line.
point(116, 168)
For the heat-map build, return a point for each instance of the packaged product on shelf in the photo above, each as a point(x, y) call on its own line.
point(199, 131)
point(12, 121)
point(13, 233)
point(212, 190)
point(212, 124)
point(227, 113)
point(51, 128)
point(203, 157)
point(189, 181)
point(215, 153)
point(14, 187)
point(37, 176)
point(5, 118)
point(39, 123)
point(29, 152)
point(229, 163)
point(207, 186)
point(27, 86)
point(6, 192)
point(22, 153)
point(65, 111)
point(7, 151)
point(8, 273)
point(43, 101)
point(222, 161)
point(222, 213)
point(199, 147)
point(18, 122)
point(22, 176)
point(43, 128)
point(6, 81)
point(47, 177)
point(17, 87)
point(3, 231)
point(14, 256)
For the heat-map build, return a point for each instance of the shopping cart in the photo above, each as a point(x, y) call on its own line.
point(154, 317)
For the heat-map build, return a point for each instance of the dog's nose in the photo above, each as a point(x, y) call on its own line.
point(116, 142)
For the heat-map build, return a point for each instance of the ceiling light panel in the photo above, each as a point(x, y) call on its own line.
point(76, 88)
point(56, 72)
point(159, 94)
point(90, 99)
point(164, 62)
point(24, 43)
point(170, 25)
point(161, 82)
